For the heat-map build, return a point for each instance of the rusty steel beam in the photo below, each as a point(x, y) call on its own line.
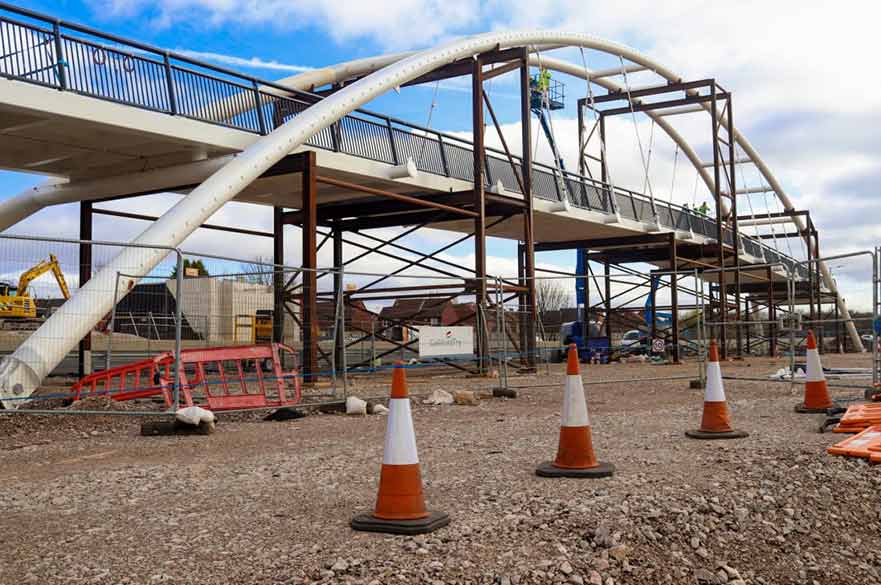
point(398, 196)
point(528, 212)
point(624, 94)
point(84, 355)
point(277, 276)
point(309, 306)
point(207, 226)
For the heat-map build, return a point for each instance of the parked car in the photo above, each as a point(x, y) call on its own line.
point(635, 341)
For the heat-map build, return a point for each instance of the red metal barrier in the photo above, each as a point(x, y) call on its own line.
point(217, 378)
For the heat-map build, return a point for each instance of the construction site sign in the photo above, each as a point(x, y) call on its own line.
point(658, 345)
point(446, 341)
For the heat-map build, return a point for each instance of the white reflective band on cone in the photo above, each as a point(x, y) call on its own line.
point(815, 370)
point(715, 392)
point(400, 440)
point(574, 407)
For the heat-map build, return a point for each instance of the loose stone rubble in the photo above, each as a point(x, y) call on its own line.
point(89, 501)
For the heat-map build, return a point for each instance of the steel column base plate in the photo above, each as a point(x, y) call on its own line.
point(548, 469)
point(706, 435)
point(367, 522)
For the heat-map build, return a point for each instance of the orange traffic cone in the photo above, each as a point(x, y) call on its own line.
point(575, 456)
point(400, 506)
point(715, 423)
point(816, 392)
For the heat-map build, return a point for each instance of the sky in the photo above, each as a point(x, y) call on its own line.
point(807, 94)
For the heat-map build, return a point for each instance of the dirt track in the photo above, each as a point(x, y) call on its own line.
point(90, 501)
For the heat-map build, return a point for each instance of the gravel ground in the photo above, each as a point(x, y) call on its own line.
point(87, 500)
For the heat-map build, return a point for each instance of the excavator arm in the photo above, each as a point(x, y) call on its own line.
point(39, 270)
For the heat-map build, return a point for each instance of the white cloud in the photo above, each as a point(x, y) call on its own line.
point(252, 62)
point(388, 24)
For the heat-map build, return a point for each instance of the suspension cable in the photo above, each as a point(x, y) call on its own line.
point(613, 203)
point(649, 157)
point(752, 211)
point(431, 109)
point(642, 155)
point(673, 180)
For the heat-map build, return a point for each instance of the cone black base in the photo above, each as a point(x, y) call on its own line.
point(706, 435)
point(367, 522)
point(801, 409)
point(547, 469)
point(164, 428)
point(504, 393)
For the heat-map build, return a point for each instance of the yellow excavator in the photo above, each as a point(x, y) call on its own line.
point(18, 309)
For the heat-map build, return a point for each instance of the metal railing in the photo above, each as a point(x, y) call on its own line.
point(35, 48)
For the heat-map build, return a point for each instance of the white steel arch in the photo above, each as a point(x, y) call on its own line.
point(22, 371)
point(353, 69)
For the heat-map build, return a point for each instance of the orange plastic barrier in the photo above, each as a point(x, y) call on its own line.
point(859, 417)
point(861, 445)
point(214, 378)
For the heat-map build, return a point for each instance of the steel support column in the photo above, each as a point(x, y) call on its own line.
point(338, 262)
point(309, 307)
point(604, 169)
point(653, 294)
point(674, 297)
point(720, 232)
point(522, 303)
point(772, 316)
point(528, 229)
point(84, 355)
point(479, 158)
point(608, 300)
point(732, 188)
point(585, 317)
point(278, 275)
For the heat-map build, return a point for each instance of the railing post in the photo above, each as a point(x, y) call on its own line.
point(169, 82)
point(487, 171)
point(178, 326)
point(443, 155)
point(335, 136)
point(258, 103)
point(391, 137)
point(60, 62)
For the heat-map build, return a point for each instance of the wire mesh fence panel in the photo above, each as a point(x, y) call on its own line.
point(38, 276)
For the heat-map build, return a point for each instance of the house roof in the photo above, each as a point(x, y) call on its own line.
point(419, 308)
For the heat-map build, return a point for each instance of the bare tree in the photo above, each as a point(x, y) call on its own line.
point(549, 296)
point(259, 271)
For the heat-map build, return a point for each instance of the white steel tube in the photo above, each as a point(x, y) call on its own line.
point(54, 191)
point(764, 221)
